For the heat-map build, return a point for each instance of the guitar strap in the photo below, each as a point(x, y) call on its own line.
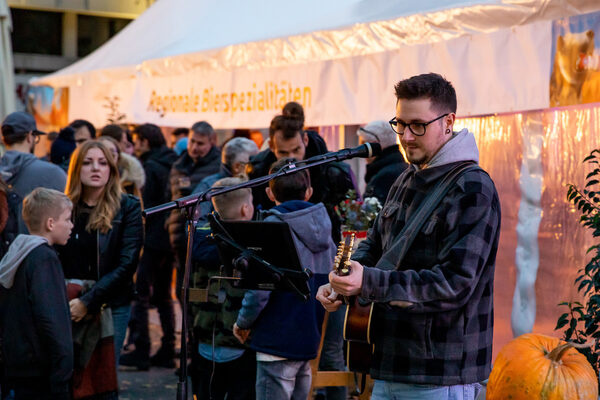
point(392, 258)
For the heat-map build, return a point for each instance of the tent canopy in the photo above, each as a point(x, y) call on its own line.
point(235, 62)
point(176, 27)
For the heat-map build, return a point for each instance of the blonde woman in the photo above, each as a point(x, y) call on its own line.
point(107, 236)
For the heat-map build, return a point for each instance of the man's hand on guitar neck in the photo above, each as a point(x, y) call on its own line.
point(349, 285)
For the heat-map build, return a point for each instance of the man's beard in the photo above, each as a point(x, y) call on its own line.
point(417, 161)
point(414, 159)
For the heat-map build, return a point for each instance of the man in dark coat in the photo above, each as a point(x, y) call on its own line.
point(330, 182)
point(201, 159)
point(382, 170)
point(155, 271)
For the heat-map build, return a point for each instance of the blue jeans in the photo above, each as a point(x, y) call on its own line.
point(385, 390)
point(282, 380)
point(120, 316)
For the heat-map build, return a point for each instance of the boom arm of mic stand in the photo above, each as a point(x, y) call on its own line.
point(195, 198)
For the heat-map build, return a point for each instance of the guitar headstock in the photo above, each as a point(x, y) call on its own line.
point(341, 264)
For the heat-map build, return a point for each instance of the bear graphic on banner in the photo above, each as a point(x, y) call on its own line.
point(590, 91)
point(569, 72)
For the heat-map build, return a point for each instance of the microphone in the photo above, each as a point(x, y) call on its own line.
point(366, 150)
point(363, 151)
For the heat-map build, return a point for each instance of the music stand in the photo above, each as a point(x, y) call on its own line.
point(262, 254)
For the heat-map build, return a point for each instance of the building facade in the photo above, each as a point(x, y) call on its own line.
point(48, 35)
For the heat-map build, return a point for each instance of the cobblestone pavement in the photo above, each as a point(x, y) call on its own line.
point(157, 383)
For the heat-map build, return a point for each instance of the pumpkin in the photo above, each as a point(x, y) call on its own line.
point(533, 367)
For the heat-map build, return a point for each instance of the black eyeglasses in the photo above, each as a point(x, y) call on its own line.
point(417, 128)
point(36, 138)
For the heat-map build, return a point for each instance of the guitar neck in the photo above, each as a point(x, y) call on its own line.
point(341, 264)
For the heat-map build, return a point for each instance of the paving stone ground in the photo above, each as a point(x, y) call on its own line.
point(157, 383)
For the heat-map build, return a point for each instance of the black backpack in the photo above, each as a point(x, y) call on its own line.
point(14, 223)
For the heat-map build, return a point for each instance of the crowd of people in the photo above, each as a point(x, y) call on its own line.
point(81, 268)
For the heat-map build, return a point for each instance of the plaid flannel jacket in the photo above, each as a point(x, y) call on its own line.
point(445, 336)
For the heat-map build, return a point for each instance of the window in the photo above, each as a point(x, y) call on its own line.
point(37, 32)
point(92, 32)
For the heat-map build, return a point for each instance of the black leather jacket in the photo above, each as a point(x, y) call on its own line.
point(118, 253)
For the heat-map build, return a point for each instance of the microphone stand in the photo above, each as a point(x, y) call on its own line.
point(189, 203)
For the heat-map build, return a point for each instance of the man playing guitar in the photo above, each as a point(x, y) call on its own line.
point(432, 320)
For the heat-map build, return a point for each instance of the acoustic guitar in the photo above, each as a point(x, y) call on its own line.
point(357, 324)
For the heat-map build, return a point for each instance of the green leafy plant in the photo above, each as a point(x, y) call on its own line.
point(581, 321)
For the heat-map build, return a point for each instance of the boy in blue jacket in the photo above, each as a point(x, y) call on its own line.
point(37, 344)
point(285, 330)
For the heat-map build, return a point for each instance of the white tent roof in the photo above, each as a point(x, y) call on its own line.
point(175, 27)
point(178, 50)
